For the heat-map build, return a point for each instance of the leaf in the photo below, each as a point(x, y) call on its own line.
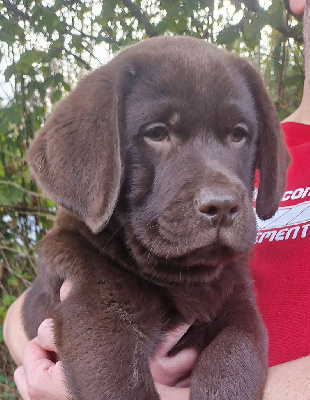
point(294, 80)
point(29, 58)
point(66, 86)
point(108, 8)
point(227, 36)
point(25, 63)
point(56, 96)
point(191, 5)
point(252, 29)
point(51, 21)
point(58, 4)
point(14, 114)
point(77, 43)
point(276, 18)
point(16, 195)
point(10, 31)
point(7, 300)
point(274, 6)
point(10, 194)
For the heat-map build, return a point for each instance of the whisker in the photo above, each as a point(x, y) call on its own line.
point(151, 249)
point(160, 241)
point(112, 236)
point(169, 251)
point(165, 242)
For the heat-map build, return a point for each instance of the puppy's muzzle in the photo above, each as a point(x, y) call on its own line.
point(220, 206)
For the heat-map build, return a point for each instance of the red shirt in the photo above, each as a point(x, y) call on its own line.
point(281, 261)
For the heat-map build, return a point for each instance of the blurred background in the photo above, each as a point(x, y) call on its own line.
point(47, 46)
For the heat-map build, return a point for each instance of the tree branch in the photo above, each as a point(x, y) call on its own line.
point(30, 192)
point(7, 264)
point(29, 209)
point(287, 32)
point(139, 15)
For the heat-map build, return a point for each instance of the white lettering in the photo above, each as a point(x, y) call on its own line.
point(280, 234)
point(307, 190)
point(287, 195)
point(304, 230)
point(299, 231)
point(295, 229)
point(296, 194)
point(266, 235)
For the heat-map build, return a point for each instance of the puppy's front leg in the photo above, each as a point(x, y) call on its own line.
point(234, 364)
point(103, 354)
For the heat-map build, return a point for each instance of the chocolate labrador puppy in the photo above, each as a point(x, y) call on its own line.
point(152, 158)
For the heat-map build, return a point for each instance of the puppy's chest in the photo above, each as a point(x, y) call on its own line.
point(198, 304)
point(154, 308)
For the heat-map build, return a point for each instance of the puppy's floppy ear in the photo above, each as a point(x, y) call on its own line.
point(75, 157)
point(272, 157)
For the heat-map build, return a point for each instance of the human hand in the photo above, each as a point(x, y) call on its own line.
point(297, 6)
point(41, 378)
point(172, 374)
point(173, 371)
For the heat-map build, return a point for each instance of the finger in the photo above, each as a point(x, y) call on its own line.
point(181, 363)
point(45, 379)
point(46, 337)
point(172, 338)
point(175, 370)
point(184, 383)
point(297, 6)
point(47, 383)
point(36, 358)
point(65, 289)
point(169, 393)
point(170, 370)
point(21, 382)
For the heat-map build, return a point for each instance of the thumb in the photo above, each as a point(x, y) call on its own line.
point(46, 337)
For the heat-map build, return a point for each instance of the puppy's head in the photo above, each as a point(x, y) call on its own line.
point(177, 127)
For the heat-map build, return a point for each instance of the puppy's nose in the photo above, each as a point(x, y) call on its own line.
point(220, 206)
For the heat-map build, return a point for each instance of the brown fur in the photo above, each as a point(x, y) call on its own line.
point(158, 232)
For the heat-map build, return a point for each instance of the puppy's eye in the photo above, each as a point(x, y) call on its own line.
point(239, 133)
point(157, 133)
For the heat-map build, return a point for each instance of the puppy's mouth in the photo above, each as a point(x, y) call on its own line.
point(202, 263)
point(206, 257)
point(196, 267)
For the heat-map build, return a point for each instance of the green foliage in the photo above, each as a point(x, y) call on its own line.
point(7, 388)
point(228, 36)
point(47, 46)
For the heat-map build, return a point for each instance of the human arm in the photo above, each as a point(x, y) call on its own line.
point(301, 115)
point(289, 381)
point(14, 334)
